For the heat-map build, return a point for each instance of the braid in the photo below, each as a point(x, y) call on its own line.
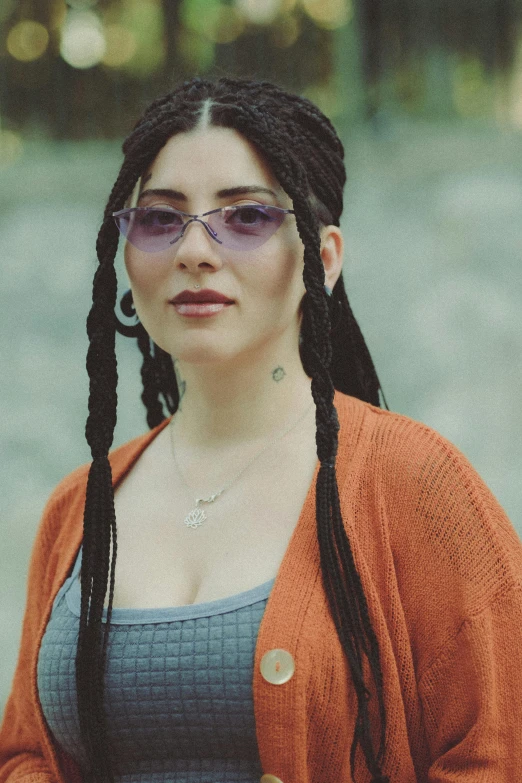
point(149, 377)
point(168, 388)
point(352, 370)
point(99, 517)
point(158, 377)
point(306, 156)
point(338, 568)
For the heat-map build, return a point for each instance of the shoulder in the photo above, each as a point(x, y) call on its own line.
point(60, 531)
point(374, 423)
point(70, 492)
point(433, 502)
point(396, 446)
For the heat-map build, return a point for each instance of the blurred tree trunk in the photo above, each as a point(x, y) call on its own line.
point(174, 71)
point(348, 75)
point(369, 17)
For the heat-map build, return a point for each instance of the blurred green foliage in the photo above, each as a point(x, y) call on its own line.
point(85, 68)
point(145, 21)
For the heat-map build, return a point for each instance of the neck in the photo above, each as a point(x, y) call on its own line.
point(239, 402)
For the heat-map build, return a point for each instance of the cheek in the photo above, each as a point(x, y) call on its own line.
point(278, 285)
point(144, 270)
point(274, 284)
point(291, 271)
point(133, 264)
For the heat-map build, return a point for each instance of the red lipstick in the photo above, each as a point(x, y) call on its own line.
point(200, 304)
point(206, 295)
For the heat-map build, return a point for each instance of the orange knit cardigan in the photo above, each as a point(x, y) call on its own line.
point(441, 568)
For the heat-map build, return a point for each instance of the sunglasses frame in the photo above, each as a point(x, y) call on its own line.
point(196, 218)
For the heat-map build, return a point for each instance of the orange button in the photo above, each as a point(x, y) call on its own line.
point(277, 667)
point(270, 779)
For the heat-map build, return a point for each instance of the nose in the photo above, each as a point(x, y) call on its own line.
point(196, 249)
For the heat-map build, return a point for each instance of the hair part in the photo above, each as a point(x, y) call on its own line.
point(306, 156)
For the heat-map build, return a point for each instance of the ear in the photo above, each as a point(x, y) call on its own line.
point(332, 246)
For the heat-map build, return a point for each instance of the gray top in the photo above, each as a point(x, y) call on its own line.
point(178, 687)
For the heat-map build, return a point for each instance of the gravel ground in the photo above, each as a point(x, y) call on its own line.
point(434, 244)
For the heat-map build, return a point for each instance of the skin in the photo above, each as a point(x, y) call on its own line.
point(239, 371)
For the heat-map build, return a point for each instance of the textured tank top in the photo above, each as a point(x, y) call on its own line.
point(178, 693)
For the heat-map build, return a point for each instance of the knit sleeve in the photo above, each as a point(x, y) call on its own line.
point(454, 549)
point(26, 753)
point(458, 565)
point(471, 697)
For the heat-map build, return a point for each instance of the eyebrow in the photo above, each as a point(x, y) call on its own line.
point(240, 190)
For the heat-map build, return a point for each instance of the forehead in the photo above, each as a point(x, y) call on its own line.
point(210, 159)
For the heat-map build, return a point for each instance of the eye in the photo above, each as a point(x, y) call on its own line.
point(248, 215)
point(159, 218)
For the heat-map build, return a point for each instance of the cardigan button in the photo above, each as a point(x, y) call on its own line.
point(270, 779)
point(277, 667)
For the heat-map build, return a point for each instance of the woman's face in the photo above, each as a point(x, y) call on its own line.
point(264, 284)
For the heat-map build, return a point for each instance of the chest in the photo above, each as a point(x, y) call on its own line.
point(239, 545)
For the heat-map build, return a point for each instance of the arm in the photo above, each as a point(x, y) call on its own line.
point(26, 751)
point(458, 562)
point(472, 698)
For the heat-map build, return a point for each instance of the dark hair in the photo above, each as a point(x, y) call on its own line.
point(306, 156)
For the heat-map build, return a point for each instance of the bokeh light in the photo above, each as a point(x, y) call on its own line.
point(27, 40)
point(83, 42)
point(120, 47)
point(262, 13)
point(329, 14)
point(135, 36)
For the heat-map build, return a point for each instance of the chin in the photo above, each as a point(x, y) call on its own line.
point(200, 352)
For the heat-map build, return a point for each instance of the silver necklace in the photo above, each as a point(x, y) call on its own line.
point(197, 516)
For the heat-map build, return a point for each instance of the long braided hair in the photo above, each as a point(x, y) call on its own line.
point(306, 156)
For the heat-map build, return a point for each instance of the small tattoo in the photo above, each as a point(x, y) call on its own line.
point(278, 374)
point(182, 385)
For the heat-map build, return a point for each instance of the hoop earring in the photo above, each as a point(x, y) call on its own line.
point(128, 309)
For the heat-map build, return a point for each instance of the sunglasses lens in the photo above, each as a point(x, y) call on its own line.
point(245, 227)
point(150, 230)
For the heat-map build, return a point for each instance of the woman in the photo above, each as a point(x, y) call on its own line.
point(308, 588)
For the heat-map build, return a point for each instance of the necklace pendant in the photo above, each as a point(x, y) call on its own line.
point(210, 499)
point(195, 518)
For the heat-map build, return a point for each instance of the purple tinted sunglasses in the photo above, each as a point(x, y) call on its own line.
point(242, 227)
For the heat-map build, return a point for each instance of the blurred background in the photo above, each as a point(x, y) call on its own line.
point(427, 97)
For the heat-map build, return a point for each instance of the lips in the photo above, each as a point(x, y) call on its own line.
point(201, 297)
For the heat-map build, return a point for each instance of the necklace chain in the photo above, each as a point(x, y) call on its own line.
point(195, 517)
